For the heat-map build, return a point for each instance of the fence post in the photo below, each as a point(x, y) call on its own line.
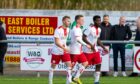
point(38, 74)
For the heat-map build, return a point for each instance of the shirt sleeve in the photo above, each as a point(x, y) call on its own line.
point(87, 32)
point(56, 34)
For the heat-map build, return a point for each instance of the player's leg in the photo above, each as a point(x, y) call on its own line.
point(79, 72)
point(89, 58)
point(97, 62)
point(54, 61)
point(72, 75)
point(74, 59)
point(69, 73)
point(51, 73)
point(84, 63)
point(81, 69)
point(97, 74)
point(67, 60)
point(73, 71)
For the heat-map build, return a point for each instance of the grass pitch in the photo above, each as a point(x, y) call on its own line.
point(61, 80)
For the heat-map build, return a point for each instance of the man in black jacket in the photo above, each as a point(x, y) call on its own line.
point(105, 33)
point(120, 32)
point(3, 47)
point(105, 29)
point(137, 38)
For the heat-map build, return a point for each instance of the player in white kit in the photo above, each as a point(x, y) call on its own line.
point(91, 36)
point(60, 51)
point(76, 48)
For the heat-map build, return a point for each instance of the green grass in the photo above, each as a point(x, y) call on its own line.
point(61, 80)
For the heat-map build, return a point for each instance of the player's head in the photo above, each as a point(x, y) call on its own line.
point(122, 20)
point(66, 21)
point(97, 20)
point(106, 19)
point(79, 19)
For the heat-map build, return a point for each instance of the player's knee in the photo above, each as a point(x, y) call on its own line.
point(85, 64)
point(68, 64)
point(53, 66)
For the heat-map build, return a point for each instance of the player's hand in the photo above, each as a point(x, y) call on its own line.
point(88, 46)
point(93, 49)
point(106, 50)
point(66, 50)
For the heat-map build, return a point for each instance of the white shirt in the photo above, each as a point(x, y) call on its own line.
point(62, 35)
point(76, 47)
point(92, 34)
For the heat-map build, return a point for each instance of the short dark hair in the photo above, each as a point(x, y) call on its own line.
point(65, 17)
point(106, 15)
point(78, 16)
point(96, 17)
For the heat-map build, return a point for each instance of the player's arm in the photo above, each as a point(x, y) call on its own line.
point(87, 42)
point(79, 39)
point(101, 44)
point(57, 40)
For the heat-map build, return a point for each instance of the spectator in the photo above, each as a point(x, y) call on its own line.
point(105, 33)
point(137, 38)
point(120, 32)
point(3, 47)
point(106, 28)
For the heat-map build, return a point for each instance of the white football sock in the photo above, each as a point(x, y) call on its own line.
point(69, 77)
point(67, 81)
point(79, 71)
point(51, 76)
point(97, 76)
